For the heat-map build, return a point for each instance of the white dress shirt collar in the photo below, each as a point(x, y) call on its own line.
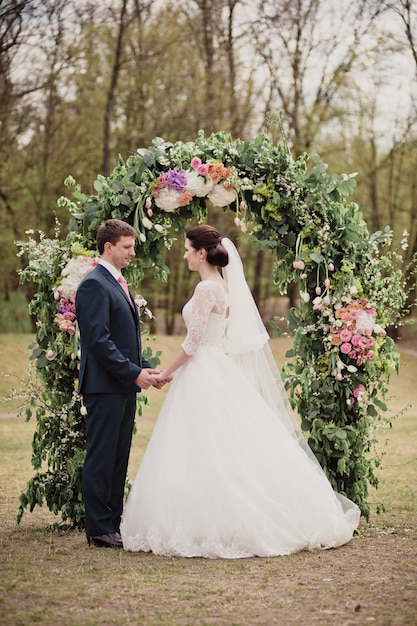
point(113, 270)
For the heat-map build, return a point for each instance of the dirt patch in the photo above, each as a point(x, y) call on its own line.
point(54, 577)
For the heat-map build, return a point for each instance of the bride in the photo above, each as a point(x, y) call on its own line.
point(227, 473)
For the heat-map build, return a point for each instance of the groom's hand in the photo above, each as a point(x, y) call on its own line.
point(147, 378)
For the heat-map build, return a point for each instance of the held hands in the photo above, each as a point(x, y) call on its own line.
point(162, 378)
point(146, 378)
point(151, 378)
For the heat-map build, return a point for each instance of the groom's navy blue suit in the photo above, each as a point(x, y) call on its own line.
point(111, 360)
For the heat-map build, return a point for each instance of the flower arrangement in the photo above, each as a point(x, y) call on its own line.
point(354, 332)
point(75, 270)
point(176, 187)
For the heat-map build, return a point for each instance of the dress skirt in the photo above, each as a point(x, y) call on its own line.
point(223, 478)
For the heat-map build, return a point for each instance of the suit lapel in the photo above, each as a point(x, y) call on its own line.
point(114, 283)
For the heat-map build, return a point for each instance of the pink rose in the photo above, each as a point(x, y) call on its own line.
point(202, 169)
point(363, 343)
point(195, 163)
point(345, 348)
point(345, 336)
point(358, 390)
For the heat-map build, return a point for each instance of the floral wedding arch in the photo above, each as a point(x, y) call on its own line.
point(342, 356)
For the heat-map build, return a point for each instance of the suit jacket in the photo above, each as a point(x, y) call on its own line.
point(111, 351)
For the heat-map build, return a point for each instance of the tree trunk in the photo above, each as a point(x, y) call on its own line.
point(105, 168)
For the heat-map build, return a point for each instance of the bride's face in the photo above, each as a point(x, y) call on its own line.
point(192, 256)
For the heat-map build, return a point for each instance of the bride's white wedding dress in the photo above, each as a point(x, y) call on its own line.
point(223, 476)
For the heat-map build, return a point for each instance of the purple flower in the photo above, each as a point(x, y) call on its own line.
point(176, 179)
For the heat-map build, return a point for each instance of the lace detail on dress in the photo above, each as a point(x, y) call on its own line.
point(208, 301)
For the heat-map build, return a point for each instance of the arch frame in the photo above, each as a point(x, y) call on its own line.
point(319, 240)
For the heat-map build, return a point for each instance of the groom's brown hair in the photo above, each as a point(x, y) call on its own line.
point(111, 231)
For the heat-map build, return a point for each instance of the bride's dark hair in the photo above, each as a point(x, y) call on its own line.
point(209, 238)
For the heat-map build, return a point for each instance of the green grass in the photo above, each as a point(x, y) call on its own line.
point(53, 578)
point(14, 316)
point(14, 363)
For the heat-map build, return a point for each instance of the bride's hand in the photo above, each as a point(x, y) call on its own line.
point(161, 379)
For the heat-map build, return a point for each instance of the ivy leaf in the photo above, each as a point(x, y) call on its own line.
point(125, 199)
point(352, 233)
point(293, 320)
point(380, 404)
point(36, 354)
point(117, 185)
point(316, 257)
point(98, 185)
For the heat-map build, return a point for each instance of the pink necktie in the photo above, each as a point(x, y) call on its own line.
point(123, 283)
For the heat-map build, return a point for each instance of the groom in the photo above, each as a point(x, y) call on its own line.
point(112, 371)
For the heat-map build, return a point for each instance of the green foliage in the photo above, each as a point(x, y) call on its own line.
point(318, 239)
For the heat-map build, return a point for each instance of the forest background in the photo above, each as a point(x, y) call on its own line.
point(82, 82)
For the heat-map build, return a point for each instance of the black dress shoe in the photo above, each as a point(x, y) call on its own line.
point(112, 540)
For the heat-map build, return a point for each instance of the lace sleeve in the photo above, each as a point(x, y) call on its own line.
point(202, 304)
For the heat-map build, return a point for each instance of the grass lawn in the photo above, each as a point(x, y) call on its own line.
point(53, 577)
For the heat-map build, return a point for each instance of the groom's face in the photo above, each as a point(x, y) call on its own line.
point(121, 253)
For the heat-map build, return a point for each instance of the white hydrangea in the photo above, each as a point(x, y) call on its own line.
point(198, 185)
point(74, 272)
point(220, 196)
point(168, 199)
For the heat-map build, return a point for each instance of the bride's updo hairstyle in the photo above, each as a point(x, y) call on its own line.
point(209, 238)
